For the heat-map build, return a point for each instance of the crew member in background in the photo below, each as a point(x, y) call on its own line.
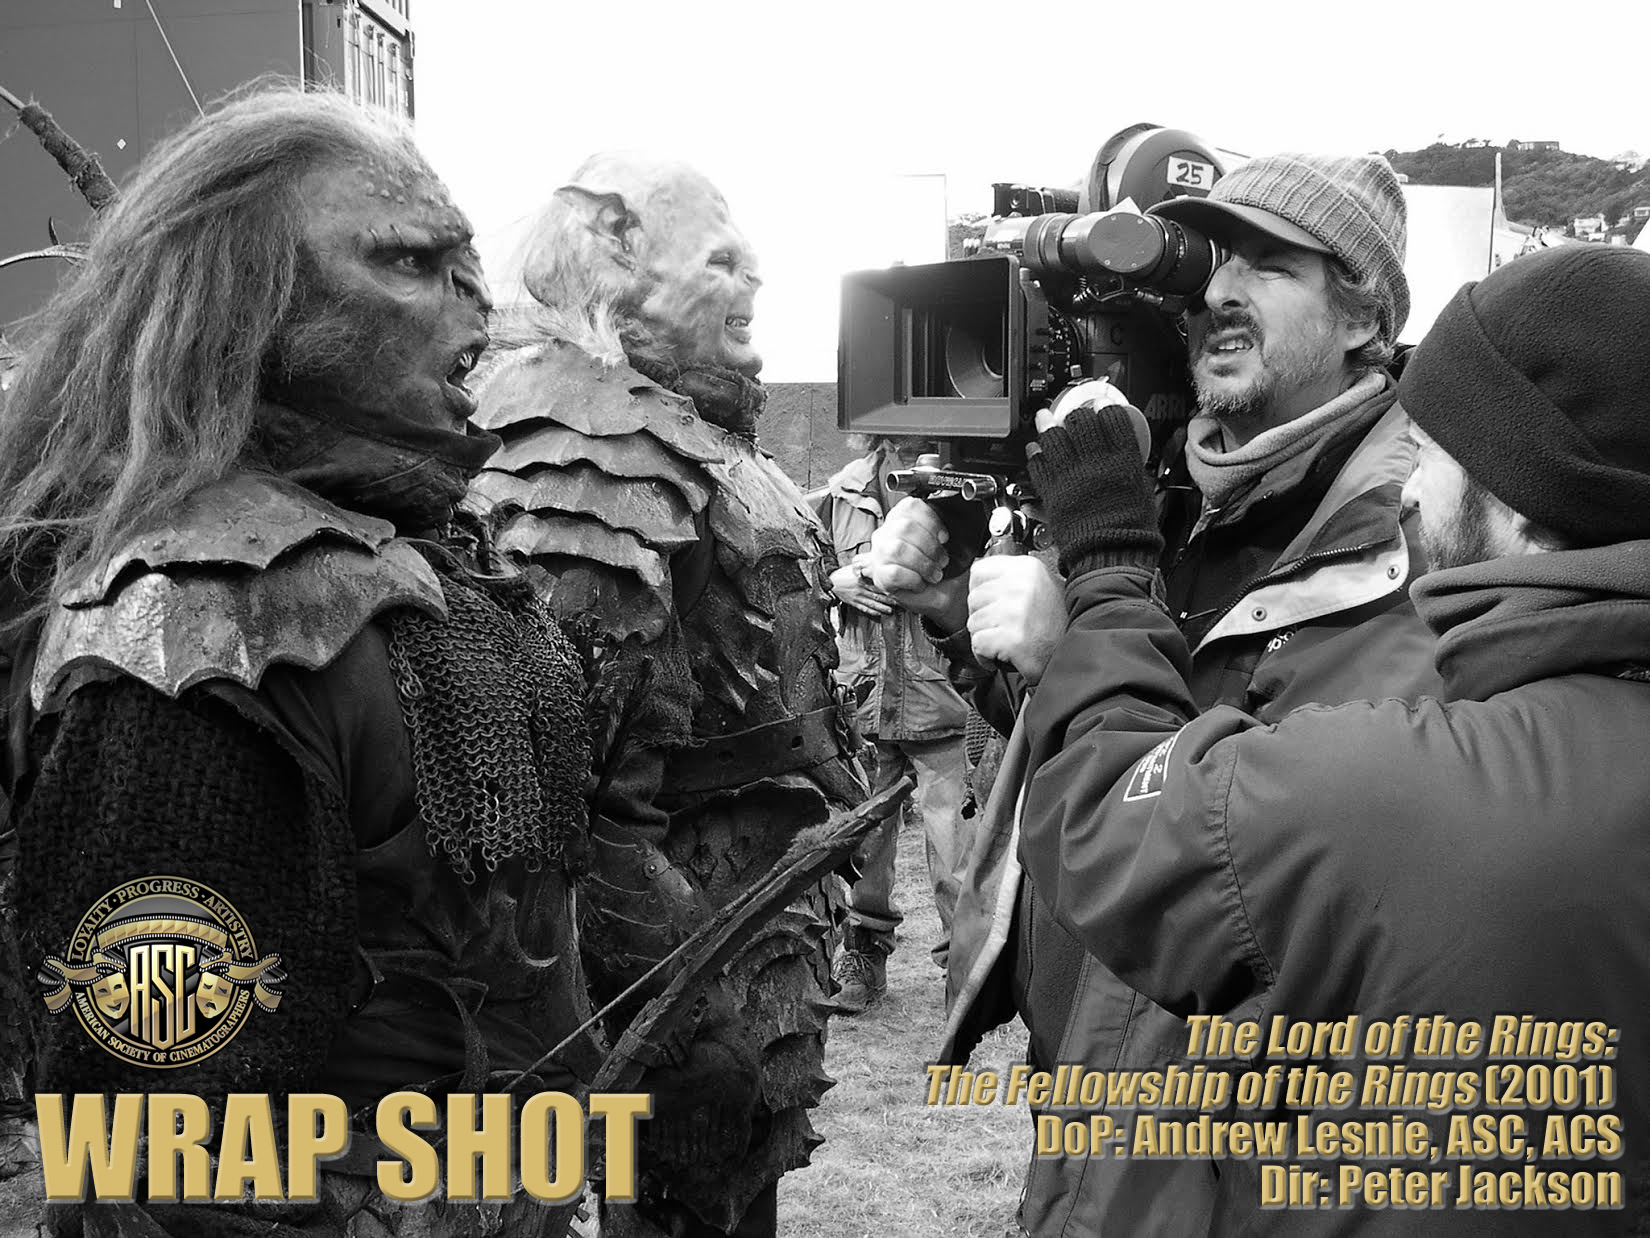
point(910, 716)
point(1288, 556)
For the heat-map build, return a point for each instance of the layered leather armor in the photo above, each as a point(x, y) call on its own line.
point(375, 754)
point(698, 569)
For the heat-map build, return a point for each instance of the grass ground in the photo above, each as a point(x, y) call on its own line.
point(891, 1166)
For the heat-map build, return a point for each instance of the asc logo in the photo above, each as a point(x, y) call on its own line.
point(162, 972)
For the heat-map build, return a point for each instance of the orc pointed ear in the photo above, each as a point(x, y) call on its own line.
point(608, 216)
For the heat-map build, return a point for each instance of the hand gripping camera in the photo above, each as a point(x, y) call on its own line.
point(1065, 285)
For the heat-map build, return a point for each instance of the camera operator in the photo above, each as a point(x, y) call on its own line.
point(1286, 567)
point(1477, 859)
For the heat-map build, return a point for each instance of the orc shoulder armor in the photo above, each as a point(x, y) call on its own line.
point(251, 571)
point(602, 477)
point(759, 511)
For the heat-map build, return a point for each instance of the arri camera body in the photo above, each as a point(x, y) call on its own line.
point(1064, 285)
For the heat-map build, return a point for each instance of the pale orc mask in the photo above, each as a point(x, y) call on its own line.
point(638, 256)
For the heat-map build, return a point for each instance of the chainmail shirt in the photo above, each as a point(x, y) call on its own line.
point(493, 699)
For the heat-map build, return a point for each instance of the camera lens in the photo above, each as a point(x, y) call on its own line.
point(1144, 249)
point(974, 359)
point(1192, 259)
point(1117, 242)
point(1043, 251)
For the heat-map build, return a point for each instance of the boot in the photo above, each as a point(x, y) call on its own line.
point(861, 977)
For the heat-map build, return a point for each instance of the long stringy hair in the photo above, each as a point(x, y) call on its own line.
point(141, 378)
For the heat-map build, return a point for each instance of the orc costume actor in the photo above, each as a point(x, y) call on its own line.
point(274, 681)
point(631, 487)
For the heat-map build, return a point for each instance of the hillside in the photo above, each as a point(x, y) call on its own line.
point(1546, 188)
point(1538, 187)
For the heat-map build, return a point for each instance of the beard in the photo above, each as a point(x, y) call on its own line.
point(1465, 535)
point(1291, 363)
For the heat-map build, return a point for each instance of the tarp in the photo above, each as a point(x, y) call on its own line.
point(1456, 234)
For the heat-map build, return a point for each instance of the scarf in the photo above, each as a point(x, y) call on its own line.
point(1224, 475)
point(410, 475)
point(1509, 621)
point(724, 397)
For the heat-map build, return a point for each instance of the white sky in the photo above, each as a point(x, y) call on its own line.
point(806, 115)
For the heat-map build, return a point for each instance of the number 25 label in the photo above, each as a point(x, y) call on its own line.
point(1191, 174)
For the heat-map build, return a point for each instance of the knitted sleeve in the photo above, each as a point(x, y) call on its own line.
point(131, 783)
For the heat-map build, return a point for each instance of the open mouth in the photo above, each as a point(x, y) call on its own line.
point(1226, 344)
point(739, 327)
point(461, 368)
point(463, 365)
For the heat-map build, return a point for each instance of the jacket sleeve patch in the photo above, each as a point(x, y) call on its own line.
point(1147, 777)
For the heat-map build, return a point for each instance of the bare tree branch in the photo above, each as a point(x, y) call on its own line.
point(79, 164)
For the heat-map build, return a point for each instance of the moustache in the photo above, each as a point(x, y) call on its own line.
point(1223, 321)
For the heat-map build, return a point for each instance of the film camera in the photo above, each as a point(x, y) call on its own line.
point(1065, 285)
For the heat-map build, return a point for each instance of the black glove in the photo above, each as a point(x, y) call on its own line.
point(1096, 493)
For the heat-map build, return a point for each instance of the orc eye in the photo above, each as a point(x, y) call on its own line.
point(410, 262)
point(724, 259)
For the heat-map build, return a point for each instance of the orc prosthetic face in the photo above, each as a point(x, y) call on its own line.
point(392, 312)
point(687, 276)
point(703, 284)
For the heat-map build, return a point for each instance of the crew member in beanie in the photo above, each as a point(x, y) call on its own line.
point(1477, 855)
point(1526, 358)
point(1286, 568)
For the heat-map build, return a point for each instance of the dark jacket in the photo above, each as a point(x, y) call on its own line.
point(1478, 855)
point(897, 677)
point(1322, 618)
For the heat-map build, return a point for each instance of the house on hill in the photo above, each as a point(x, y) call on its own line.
point(1515, 144)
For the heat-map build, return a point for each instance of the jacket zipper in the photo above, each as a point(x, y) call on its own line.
point(1290, 569)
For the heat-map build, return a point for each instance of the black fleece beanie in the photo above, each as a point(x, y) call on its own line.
point(1536, 380)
